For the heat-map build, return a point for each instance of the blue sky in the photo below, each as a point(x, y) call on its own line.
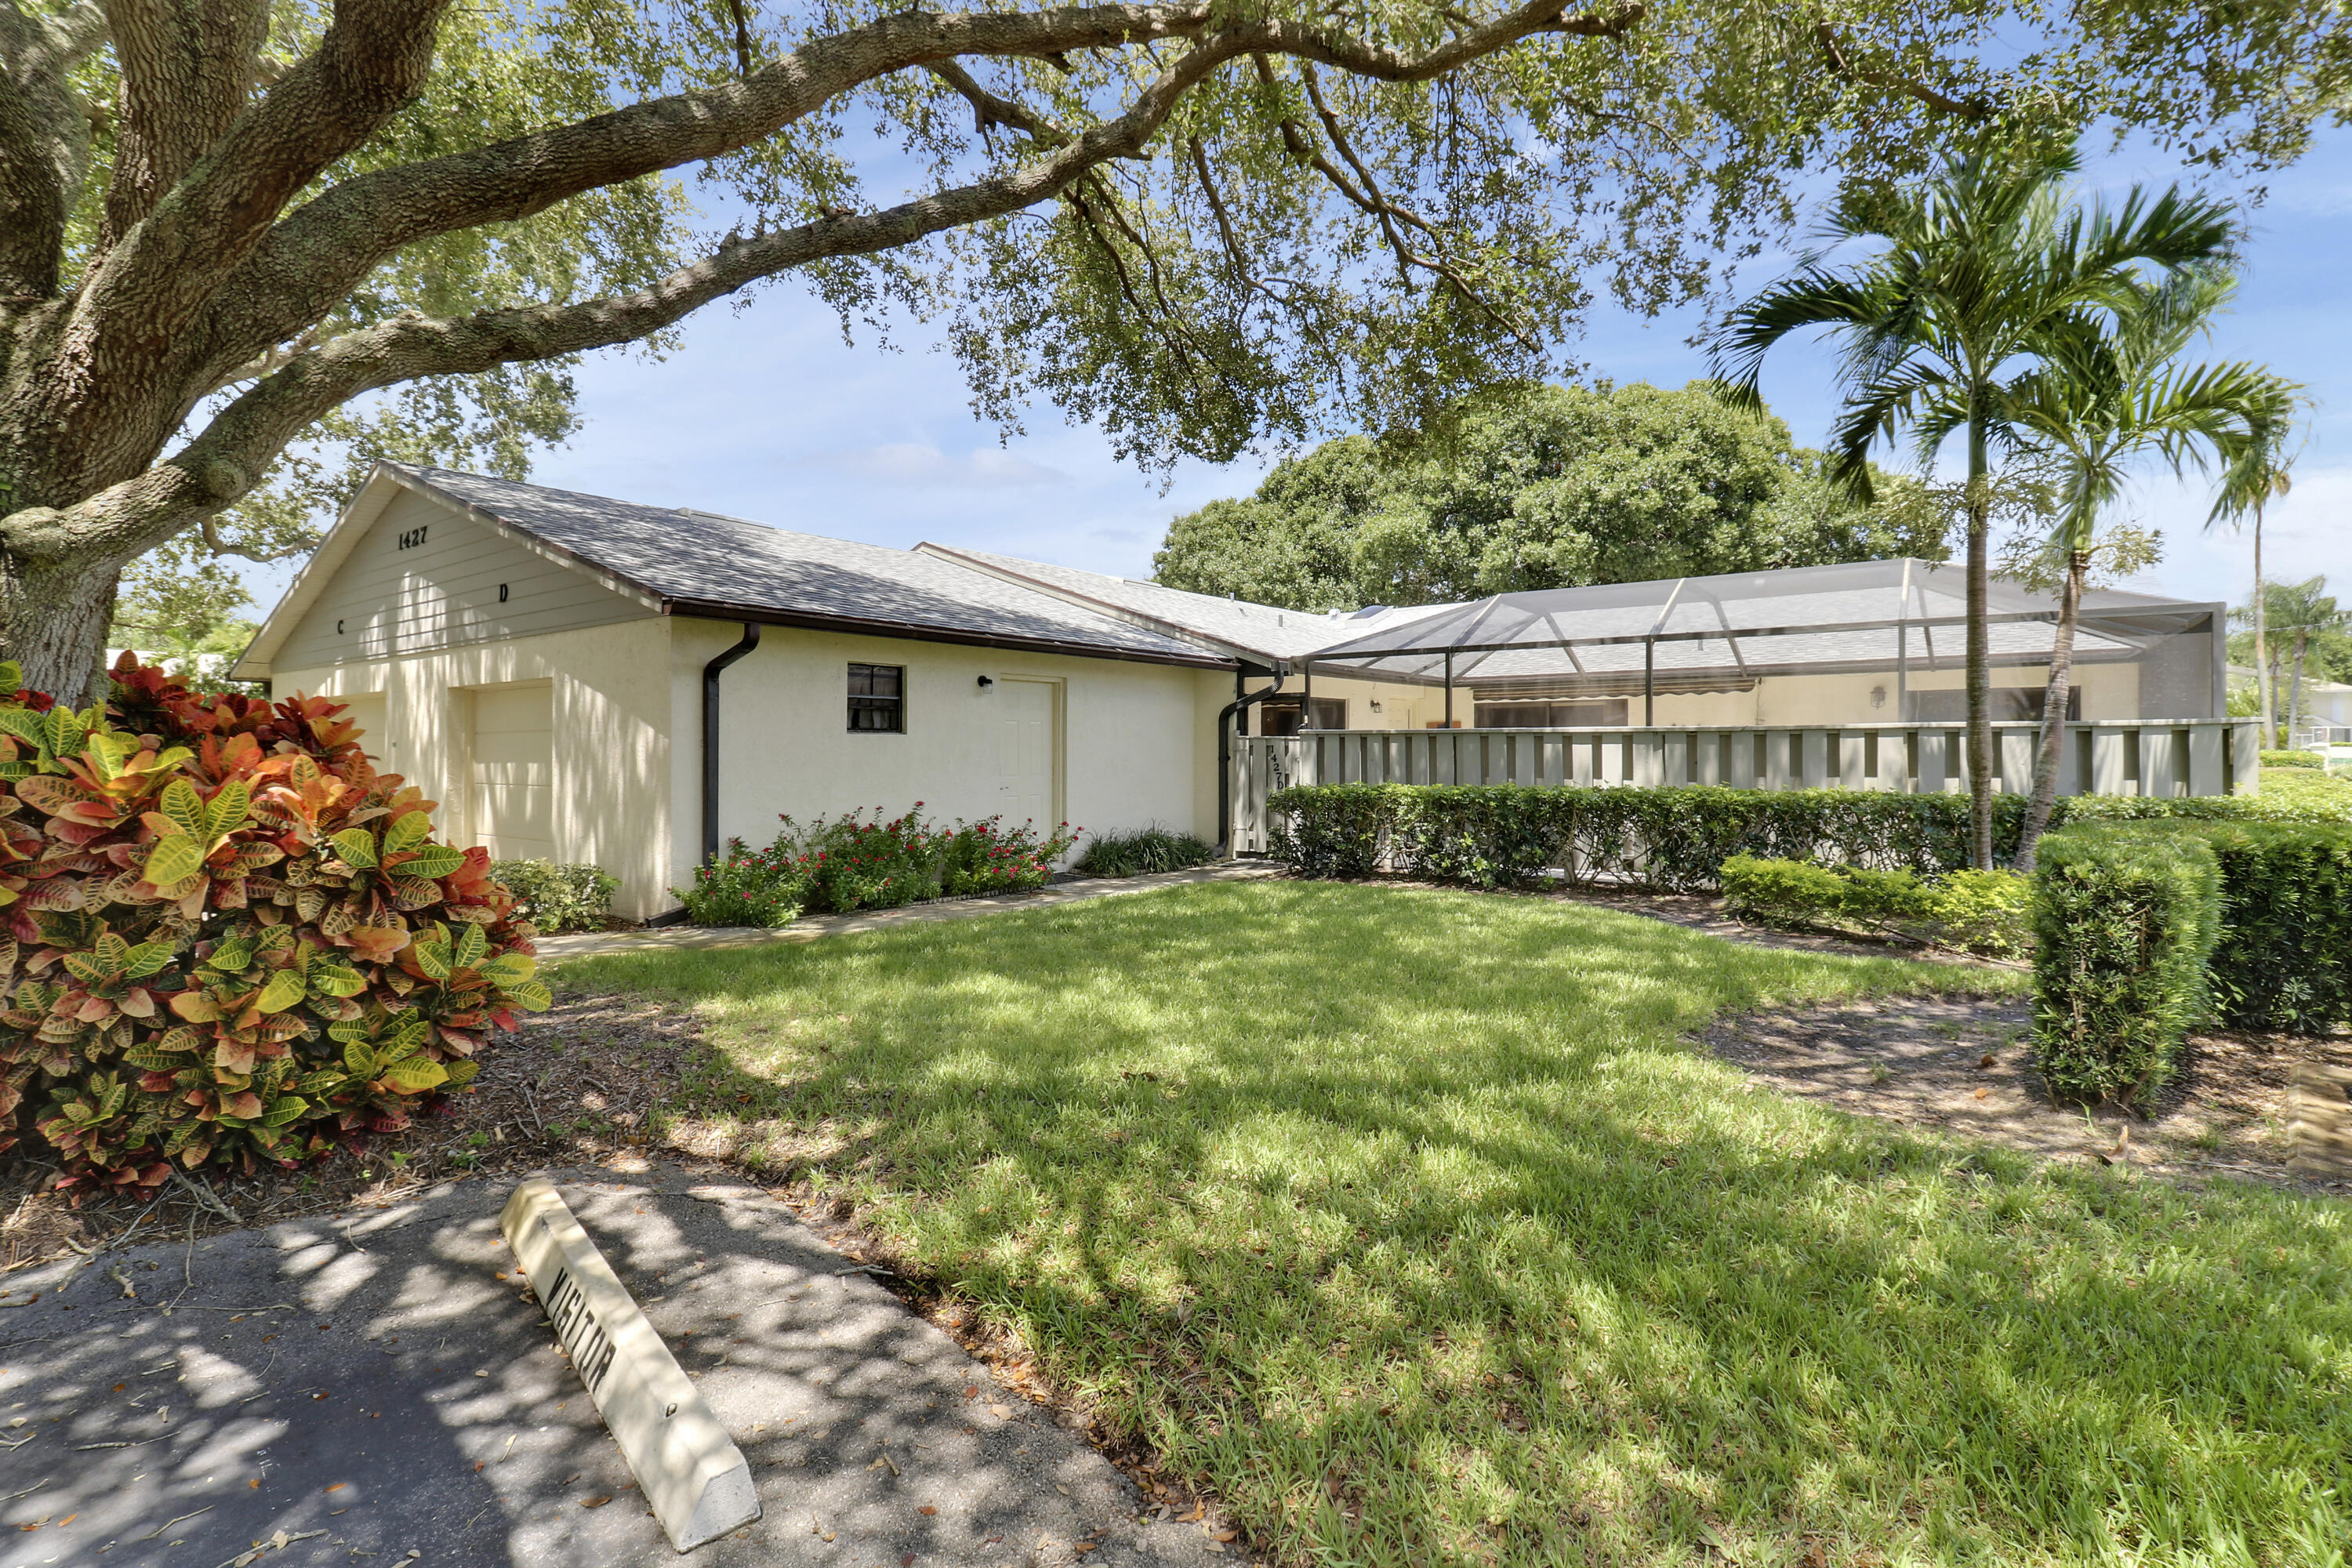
point(764, 413)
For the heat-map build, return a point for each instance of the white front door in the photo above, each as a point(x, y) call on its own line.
point(1024, 753)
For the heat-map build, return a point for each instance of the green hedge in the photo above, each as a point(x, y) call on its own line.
point(1498, 835)
point(555, 896)
point(2284, 958)
point(2124, 923)
point(1676, 838)
point(2293, 760)
point(1982, 912)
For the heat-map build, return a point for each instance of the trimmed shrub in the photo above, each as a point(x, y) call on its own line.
point(846, 863)
point(228, 938)
point(2284, 957)
point(1983, 911)
point(1334, 830)
point(2124, 924)
point(1142, 851)
point(2293, 760)
point(1776, 890)
point(2274, 804)
point(554, 896)
point(1675, 838)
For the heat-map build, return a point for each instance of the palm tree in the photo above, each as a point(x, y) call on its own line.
point(2307, 610)
point(2108, 391)
point(1974, 270)
point(2250, 483)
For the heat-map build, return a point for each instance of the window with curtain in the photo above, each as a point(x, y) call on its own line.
point(877, 699)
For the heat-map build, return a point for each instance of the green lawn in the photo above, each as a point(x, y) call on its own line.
point(1407, 1221)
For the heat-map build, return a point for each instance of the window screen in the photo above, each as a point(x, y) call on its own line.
point(1282, 713)
point(877, 697)
point(2009, 704)
point(1604, 714)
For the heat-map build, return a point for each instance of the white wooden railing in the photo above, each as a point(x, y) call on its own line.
point(2153, 757)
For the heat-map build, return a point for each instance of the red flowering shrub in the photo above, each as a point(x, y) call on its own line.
point(847, 863)
point(228, 938)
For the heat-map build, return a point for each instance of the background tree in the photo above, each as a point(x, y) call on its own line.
point(1971, 275)
point(1531, 486)
point(222, 221)
point(2262, 474)
point(2109, 394)
point(2327, 655)
point(2302, 614)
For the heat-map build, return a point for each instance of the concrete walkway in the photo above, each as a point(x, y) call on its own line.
point(555, 949)
point(377, 1387)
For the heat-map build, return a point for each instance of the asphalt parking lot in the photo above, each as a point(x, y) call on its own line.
point(379, 1387)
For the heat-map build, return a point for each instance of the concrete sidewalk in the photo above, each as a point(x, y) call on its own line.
point(379, 1387)
point(583, 944)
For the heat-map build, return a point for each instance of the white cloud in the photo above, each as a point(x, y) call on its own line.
point(2304, 535)
point(918, 464)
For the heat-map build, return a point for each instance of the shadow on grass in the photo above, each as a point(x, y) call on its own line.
point(1407, 1219)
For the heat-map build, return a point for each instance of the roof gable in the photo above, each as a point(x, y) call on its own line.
point(674, 561)
point(406, 569)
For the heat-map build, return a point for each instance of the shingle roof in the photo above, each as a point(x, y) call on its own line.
point(1268, 630)
point(703, 563)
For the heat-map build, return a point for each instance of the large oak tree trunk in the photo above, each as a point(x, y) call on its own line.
point(57, 617)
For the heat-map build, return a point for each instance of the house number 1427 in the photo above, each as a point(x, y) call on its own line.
point(414, 537)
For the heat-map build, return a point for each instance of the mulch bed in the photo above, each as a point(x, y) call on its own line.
point(1963, 1065)
point(574, 1088)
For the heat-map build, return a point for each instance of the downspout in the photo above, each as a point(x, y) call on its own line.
point(1225, 757)
point(710, 673)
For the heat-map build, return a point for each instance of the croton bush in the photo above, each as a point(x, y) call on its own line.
point(230, 939)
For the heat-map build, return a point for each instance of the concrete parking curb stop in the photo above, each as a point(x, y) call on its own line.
point(689, 1469)
point(385, 1375)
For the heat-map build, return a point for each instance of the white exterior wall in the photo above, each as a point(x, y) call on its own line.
point(1125, 735)
point(426, 575)
point(612, 751)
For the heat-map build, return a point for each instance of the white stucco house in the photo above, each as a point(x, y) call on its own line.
point(601, 681)
point(540, 661)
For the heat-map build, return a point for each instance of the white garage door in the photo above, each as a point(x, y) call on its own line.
point(1024, 752)
point(513, 796)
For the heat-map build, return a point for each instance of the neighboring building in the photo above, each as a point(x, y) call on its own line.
point(2327, 703)
point(539, 661)
point(2325, 706)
